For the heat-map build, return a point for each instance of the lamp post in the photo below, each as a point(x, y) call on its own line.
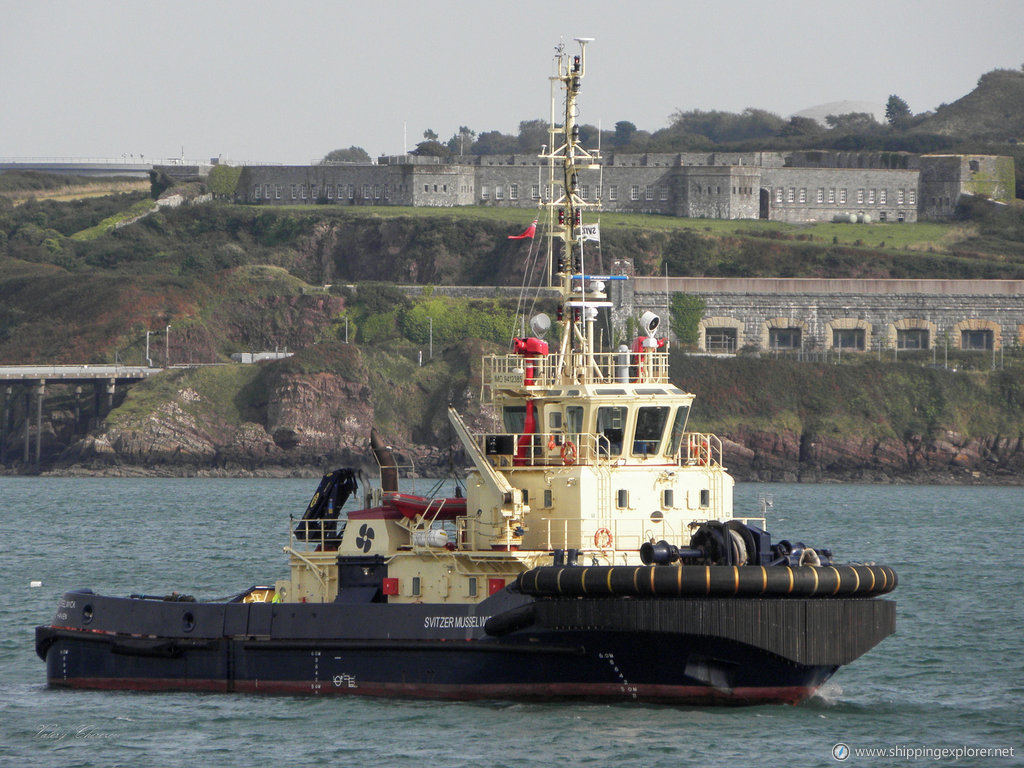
point(431, 356)
point(149, 363)
point(167, 347)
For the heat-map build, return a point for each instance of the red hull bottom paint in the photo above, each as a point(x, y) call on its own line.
point(662, 694)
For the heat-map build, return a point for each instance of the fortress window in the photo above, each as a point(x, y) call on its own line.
point(663, 193)
point(882, 196)
point(634, 192)
point(613, 192)
point(303, 191)
point(266, 191)
point(387, 192)
point(803, 195)
point(849, 338)
point(330, 191)
point(366, 191)
point(778, 195)
point(294, 191)
point(499, 193)
point(912, 197)
point(720, 339)
point(871, 197)
point(976, 340)
point(821, 195)
point(535, 191)
point(791, 197)
point(585, 191)
point(901, 216)
point(832, 195)
point(650, 192)
point(256, 192)
point(376, 191)
point(900, 196)
point(485, 192)
point(912, 338)
point(513, 191)
point(351, 191)
point(314, 191)
point(341, 191)
point(277, 191)
point(974, 166)
point(860, 197)
point(784, 338)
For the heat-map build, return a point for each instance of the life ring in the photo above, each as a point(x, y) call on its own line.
point(569, 452)
point(603, 538)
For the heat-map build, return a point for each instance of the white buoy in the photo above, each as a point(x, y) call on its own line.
point(35, 584)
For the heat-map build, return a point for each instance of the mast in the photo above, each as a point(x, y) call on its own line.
point(581, 294)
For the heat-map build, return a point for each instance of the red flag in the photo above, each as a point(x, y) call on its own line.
point(530, 232)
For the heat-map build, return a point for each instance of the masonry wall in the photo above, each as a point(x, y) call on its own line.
point(821, 194)
point(945, 309)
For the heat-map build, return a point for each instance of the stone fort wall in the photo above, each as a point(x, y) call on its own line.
point(818, 314)
point(794, 187)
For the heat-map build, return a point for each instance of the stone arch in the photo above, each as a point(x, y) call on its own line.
point(724, 323)
point(847, 324)
point(782, 324)
point(976, 324)
point(892, 332)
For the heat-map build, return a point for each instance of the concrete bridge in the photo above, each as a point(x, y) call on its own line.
point(32, 379)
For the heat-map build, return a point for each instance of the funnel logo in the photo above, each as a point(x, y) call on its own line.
point(841, 752)
point(365, 538)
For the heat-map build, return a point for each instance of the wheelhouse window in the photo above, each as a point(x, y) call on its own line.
point(514, 417)
point(611, 424)
point(784, 338)
point(574, 419)
point(650, 426)
point(850, 338)
point(675, 437)
point(912, 338)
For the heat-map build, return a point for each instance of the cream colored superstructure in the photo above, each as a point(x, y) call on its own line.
point(590, 458)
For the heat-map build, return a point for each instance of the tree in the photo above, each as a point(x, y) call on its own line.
point(624, 131)
point(351, 155)
point(430, 147)
point(897, 112)
point(430, 134)
point(223, 180)
point(461, 140)
point(852, 121)
point(533, 134)
point(495, 143)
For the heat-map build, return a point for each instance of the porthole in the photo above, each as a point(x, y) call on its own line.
point(87, 613)
point(188, 621)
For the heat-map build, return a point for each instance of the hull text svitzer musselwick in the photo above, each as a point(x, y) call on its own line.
point(593, 555)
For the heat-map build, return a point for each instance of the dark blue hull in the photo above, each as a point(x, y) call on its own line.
point(709, 651)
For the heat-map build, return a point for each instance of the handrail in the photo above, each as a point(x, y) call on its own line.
point(503, 372)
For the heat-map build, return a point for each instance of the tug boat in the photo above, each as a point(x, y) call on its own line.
point(593, 555)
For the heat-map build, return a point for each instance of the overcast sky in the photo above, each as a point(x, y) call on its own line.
point(288, 82)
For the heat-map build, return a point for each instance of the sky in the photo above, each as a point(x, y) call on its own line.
point(260, 81)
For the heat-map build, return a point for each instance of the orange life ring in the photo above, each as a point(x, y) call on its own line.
point(569, 452)
point(603, 538)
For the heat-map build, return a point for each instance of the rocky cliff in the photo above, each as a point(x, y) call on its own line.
point(313, 412)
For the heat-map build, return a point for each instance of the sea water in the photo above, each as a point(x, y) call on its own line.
point(947, 688)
